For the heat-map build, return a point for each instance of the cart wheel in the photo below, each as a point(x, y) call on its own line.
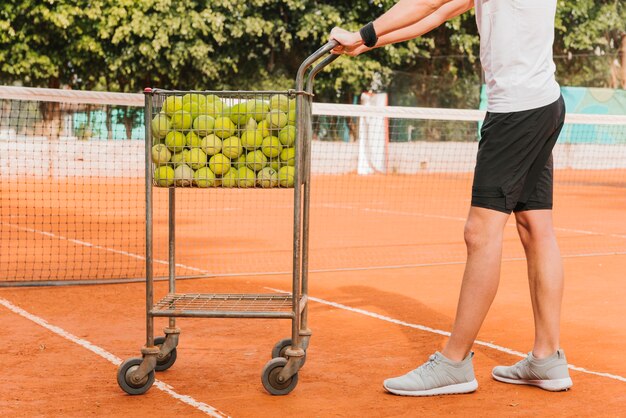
point(123, 378)
point(167, 361)
point(280, 348)
point(269, 377)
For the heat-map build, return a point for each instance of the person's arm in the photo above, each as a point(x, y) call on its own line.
point(446, 12)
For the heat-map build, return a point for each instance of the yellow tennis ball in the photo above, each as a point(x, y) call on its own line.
point(224, 127)
point(175, 141)
point(288, 156)
point(275, 164)
point(182, 120)
point(193, 108)
point(256, 160)
point(197, 158)
point(267, 177)
point(240, 161)
point(192, 140)
point(277, 119)
point(286, 176)
point(204, 177)
point(160, 154)
point(219, 164)
point(257, 109)
point(172, 105)
point(251, 139)
point(211, 144)
point(183, 174)
point(160, 126)
point(179, 158)
point(291, 117)
point(264, 128)
point(245, 177)
point(230, 178)
point(271, 147)
point(287, 135)
point(164, 176)
point(279, 102)
point(203, 124)
point(231, 147)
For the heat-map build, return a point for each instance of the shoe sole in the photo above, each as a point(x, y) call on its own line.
point(459, 388)
point(553, 385)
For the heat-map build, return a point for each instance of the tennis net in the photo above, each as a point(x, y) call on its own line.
point(390, 189)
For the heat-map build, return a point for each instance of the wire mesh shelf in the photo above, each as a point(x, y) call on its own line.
point(221, 305)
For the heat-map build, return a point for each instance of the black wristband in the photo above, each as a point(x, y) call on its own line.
point(368, 34)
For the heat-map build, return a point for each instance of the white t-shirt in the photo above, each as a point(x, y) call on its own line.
point(516, 38)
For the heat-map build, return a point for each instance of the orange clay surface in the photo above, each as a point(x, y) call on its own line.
point(351, 352)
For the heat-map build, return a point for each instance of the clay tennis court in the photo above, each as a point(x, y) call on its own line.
point(378, 308)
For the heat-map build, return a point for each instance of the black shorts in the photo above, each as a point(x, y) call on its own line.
point(514, 163)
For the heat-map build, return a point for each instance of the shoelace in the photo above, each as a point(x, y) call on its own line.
point(429, 365)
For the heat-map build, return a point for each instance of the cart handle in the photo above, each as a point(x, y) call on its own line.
point(309, 79)
point(310, 60)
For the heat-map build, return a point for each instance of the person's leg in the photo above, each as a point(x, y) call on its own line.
point(483, 238)
point(545, 277)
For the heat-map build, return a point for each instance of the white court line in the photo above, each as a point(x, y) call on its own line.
point(458, 218)
point(100, 247)
point(201, 406)
point(445, 333)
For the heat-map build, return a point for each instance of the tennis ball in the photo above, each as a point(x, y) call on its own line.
point(251, 139)
point(160, 154)
point(230, 178)
point(279, 102)
point(164, 176)
point(267, 177)
point(239, 114)
point(271, 146)
point(197, 158)
point(203, 124)
point(264, 128)
point(179, 158)
point(181, 120)
point(219, 164)
point(183, 174)
point(209, 108)
point(224, 127)
point(245, 177)
point(287, 135)
point(277, 119)
point(193, 108)
point(288, 156)
point(192, 140)
point(160, 126)
point(251, 125)
point(275, 164)
point(175, 141)
point(204, 177)
point(240, 161)
point(191, 97)
point(257, 109)
point(291, 116)
point(256, 160)
point(231, 147)
point(211, 144)
point(172, 105)
point(286, 176)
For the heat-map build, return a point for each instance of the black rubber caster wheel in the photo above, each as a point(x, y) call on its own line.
point(269, 377)
point(280, 348)
point(167, 361)
point(127, 384)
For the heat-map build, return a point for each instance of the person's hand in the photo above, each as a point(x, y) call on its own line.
point(349, 42)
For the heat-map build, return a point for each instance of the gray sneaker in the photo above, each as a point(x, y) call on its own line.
point(548, 373)
point(438, 376)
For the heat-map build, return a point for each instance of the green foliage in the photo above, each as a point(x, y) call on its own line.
point(125, 45)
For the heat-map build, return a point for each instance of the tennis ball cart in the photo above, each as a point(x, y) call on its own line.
point(182, 130)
